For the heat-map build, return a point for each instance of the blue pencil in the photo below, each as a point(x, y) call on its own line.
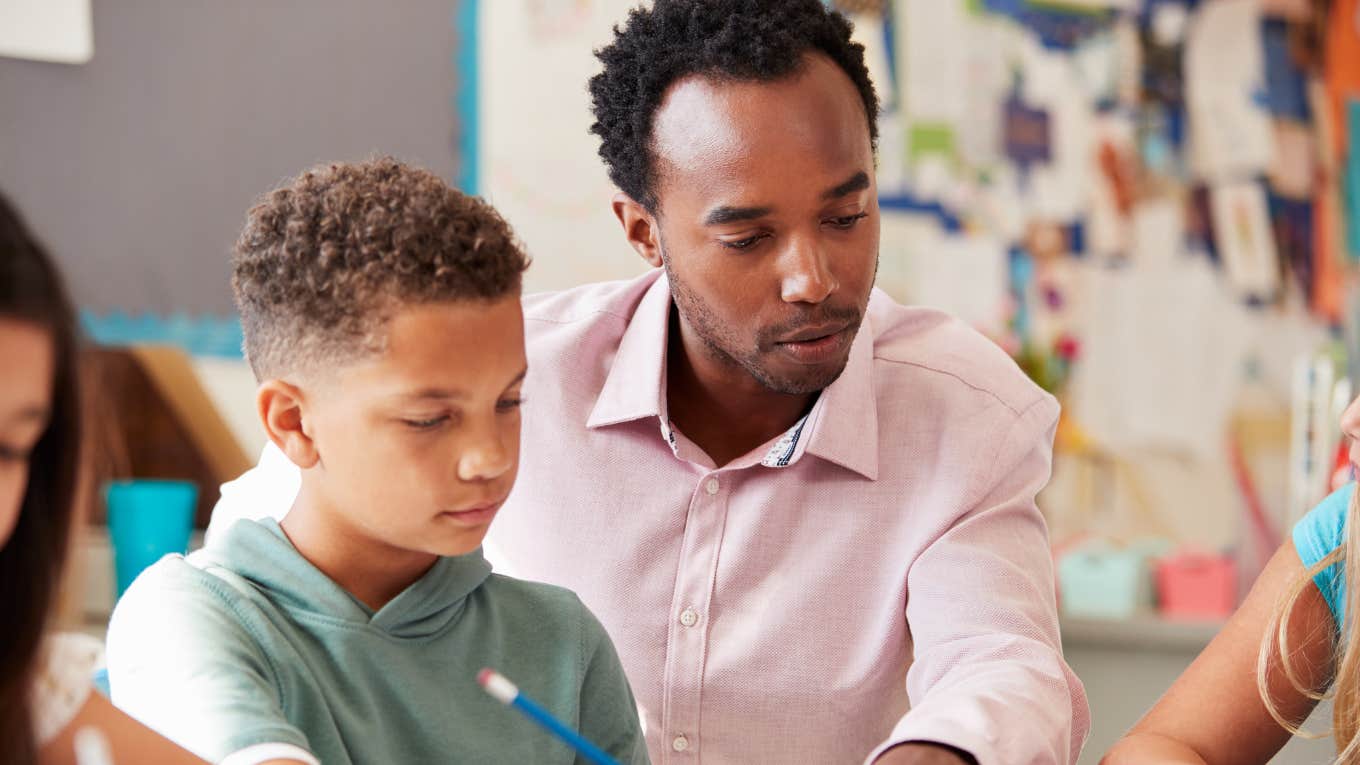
point(507, 693)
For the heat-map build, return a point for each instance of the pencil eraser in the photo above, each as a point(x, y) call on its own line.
point(495, 684)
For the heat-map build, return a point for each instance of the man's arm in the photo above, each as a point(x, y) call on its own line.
point(988, 678)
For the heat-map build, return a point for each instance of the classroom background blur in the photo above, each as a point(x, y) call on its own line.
point(1153, 206)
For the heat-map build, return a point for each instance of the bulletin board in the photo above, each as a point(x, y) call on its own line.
point(1137, 200)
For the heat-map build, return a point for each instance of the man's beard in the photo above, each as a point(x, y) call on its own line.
point(724, 345)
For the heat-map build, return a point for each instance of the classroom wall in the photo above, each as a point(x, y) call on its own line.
point(537, 159)
point(138, 167)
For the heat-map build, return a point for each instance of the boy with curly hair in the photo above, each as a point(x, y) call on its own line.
point(353, 630)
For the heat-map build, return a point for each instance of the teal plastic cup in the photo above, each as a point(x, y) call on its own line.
point(148, 519)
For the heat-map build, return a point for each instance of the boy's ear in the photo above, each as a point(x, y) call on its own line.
point(639, 228)
point(282, 410)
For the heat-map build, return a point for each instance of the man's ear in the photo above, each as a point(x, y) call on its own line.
point(282, 408)
point(640, 228)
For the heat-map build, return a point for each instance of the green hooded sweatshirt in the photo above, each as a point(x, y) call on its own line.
point(245, 643)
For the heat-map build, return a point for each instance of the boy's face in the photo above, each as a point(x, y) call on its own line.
point(418, 446)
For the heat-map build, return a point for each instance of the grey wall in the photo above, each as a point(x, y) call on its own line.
point(138, 167)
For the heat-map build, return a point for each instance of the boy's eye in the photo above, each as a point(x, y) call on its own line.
point(429, 424)
point(510, 404)
point(847, 221)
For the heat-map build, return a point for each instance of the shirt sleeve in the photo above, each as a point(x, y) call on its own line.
point(988, 675)
point(265, 491)
point(609, 714)
point(1320, 532)
point(183, 664)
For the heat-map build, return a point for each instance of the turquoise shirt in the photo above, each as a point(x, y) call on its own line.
point(246, 643)
point(1316, 536)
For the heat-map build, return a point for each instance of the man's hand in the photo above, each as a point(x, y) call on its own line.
point(923, 753)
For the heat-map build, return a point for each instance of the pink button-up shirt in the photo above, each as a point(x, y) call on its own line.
point(878, 574)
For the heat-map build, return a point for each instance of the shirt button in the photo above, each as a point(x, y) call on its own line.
point(689, 617)
point(680, 743)
point(712, 486)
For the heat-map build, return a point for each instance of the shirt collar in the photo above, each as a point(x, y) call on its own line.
point(635, 387)
point(841, 428)
point(843, 424)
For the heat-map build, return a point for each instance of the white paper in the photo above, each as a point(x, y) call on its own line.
point(1128, 51)
point(1107, 227)
point(47, 30)
point(1158, 233)
point(1169, 21)
point(963, 275)
point(1162, 352)
point(931, 59)
point(869, 33)
point(901, 234)
point(1061, 188)
point(1231, 134)
point(1243, 235)
point(1001, 205)
point(1097, 66)
point(989, 46)
point(892, 154)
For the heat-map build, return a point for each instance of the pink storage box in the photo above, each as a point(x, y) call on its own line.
point(1196, 586)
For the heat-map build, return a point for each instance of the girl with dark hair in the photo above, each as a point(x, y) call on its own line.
point(45, 696)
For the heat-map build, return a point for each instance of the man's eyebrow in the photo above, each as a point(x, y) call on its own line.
point(725, 214)
point(858, 182)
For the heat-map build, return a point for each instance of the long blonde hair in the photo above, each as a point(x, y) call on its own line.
point(1345, 686)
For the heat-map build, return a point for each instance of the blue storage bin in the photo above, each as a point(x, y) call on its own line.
point(1102, 582)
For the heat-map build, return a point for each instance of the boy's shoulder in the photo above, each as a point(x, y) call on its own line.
point(546, 605)
point(197, 579)
point(535, 597)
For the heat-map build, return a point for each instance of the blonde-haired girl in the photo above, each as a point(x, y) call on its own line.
point(1290, 644)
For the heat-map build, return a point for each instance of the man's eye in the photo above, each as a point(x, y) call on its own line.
point(848, 221)
point(741, 244)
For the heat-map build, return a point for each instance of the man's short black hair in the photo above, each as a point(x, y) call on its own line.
point(760, 40)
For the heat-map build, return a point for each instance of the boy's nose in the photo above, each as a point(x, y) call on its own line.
point(485, 460)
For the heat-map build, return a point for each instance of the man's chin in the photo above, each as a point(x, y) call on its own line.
point(802, 380)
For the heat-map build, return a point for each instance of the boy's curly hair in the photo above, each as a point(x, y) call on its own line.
point(751, 40)
point(325, 259)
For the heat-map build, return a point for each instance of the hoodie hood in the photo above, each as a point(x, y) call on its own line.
point(260, 553)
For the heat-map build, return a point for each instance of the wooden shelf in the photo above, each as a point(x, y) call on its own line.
point(1141, 633)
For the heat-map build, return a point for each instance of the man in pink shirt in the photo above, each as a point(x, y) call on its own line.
point(805, 514)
